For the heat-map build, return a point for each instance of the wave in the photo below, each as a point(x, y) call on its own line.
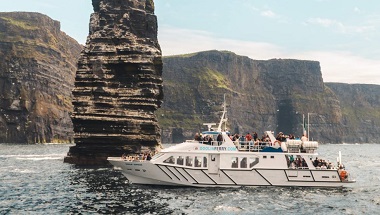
point(32, 156)
point(39, 158)
point(222, 208)
point(35, 157)
point(22, 171)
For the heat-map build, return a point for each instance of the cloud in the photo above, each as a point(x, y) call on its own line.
point(344, 67)
point(339, 26)
point(180, 41)
point(268, 13)
point(47, 5)
point(324, 22)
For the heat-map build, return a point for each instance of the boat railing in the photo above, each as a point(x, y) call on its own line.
point(211, 143)
point(251, 146)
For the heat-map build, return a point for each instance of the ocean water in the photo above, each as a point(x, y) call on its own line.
point(34, 180)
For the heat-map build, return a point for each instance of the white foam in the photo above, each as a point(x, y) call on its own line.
point(39, 158)
point(32, 156)
point(227, 208)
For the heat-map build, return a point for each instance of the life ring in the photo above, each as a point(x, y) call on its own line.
point(343, 174)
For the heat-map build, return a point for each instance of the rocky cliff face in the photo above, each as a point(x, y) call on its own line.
point(261, 95)
point(118, 84)
point(360, 108)
point(37, 69)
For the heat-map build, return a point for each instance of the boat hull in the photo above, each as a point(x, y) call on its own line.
point(148, 173)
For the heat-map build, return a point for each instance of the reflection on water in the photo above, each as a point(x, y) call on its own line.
point(34, 179)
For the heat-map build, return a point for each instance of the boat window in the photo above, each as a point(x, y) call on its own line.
point(204, 161)
point(271, 156)
point(169, 160)
point(234, 162)
point(253, 161)
point(243, 163)
point(198, 161)
point(180, 160)
point(265, 156)
point(189, 161)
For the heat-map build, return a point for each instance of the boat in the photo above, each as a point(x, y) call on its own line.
point(222, 162)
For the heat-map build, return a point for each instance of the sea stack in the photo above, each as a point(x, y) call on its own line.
point(118, 84)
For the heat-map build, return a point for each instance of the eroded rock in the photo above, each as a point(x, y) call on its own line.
point(118, 84)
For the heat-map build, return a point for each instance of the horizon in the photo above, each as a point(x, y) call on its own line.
point(341, 35)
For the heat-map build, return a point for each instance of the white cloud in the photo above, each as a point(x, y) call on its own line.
point(344, 67)
point(180, 41)
point(357, 10)
point(339, 26)
point(324, 22)
point(268, 13)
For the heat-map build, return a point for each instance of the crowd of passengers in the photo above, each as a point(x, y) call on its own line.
point(208, 139)
point(141, 156)
point(322, 164)
point(298, 162)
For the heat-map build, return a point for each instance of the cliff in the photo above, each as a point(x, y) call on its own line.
point(360, 108)
point(118, 84)
point(261, 95)
point(37, 68)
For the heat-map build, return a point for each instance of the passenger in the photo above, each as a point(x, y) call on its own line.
point(148, 157)
point(235, 137)
point(304, 138)
point(291, 158)
point(299, 162)
point(329, 166)
point(242, 139)
point(255, 136)
point(315, 163)
point(304, 164)
point(205, 139)
point(248, 137)
point(196, 136)
point(234, 164)
point(219, 138)
point(278, 137)
point(209, 140)
point(124, 156)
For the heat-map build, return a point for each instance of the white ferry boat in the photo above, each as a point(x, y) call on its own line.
point(227, 163)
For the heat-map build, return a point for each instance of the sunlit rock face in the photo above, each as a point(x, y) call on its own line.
point(118, 84)
point(37, 70)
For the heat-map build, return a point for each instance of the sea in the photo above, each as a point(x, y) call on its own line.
point(34, 180)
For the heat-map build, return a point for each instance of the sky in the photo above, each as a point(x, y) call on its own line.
point(343, 35)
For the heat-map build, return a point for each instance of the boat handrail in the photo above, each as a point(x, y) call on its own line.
point(251, 146)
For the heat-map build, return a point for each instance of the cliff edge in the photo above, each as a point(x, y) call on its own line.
point(37, 69)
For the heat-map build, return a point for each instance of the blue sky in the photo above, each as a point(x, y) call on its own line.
point(342, 34)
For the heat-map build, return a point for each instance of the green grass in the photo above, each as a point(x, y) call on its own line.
point(167, 118)
point(182, 55)
point(20, 24)
point(214, 79)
